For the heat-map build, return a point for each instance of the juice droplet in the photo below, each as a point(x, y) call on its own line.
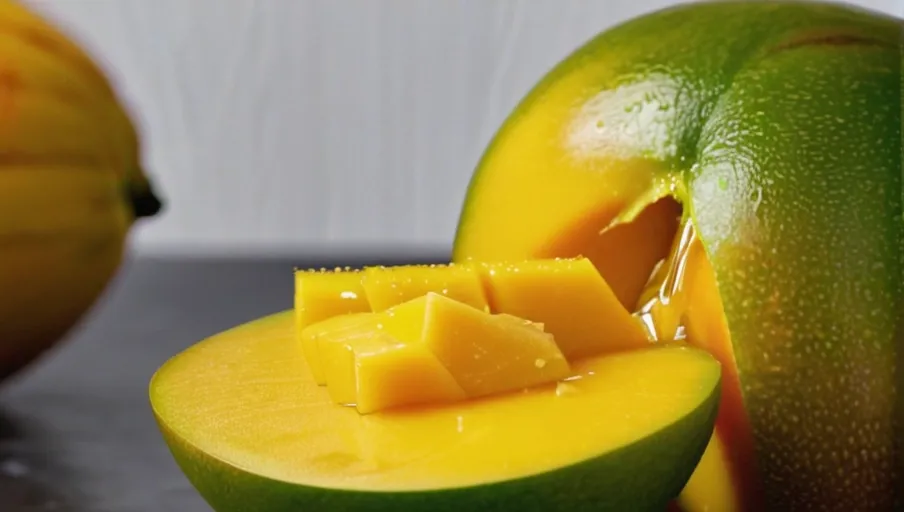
point(565, 389)
point(540, 363)
point(662, 306)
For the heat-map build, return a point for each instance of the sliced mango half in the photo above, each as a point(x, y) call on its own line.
point(252, 432)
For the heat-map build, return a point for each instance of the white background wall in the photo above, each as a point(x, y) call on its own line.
point(293, 125)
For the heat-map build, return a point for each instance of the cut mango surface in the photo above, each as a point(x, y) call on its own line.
point(536, 325)
point(388, 286)
point(335, 329)
point(566, 297)
point(486, 353)
point(399, 375)
point(339, 340)
point(430, 350)
point(365, 367)
point(571, 300)
point(493, 327)
point(321, 294)
point(659, 401)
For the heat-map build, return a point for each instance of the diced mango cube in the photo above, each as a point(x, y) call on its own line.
point(320, 295)
point(337, 339)
point(402, 375)
point(570, 298)
point(386, 287)
point(339, 328)
point(405, 321)
point(365, 367)
point(485, 353)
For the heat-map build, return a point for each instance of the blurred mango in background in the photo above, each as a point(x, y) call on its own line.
point(71, 184)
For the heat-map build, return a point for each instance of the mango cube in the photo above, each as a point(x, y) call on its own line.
point(570, 298)
point(485, 353)
point(386, 287)
point(337, 339)
point(323, 294)
point(336, 329)
point(402, 375)
point(367, 368)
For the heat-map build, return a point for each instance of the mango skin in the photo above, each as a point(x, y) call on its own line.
point(777, 125)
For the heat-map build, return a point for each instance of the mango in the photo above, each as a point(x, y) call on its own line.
point(323, 294)
point(400, 375)
point(429, 350)
point(336, 340)
point(388, 286)
point(733, 171)
point(565, 297)
point(252, 431)
point(73, 185)
point(334, 329)
point(569, 298)
point(320, 295)
point(486, 354)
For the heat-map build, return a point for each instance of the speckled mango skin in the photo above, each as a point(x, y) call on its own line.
point(777, 125)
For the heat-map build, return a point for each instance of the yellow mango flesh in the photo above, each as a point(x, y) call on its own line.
point(342, 380)
point(365, 367)
point(535, 325)
point(286, 428)
point(332, 330)
point(398, 375)
point(571, 300)
point(546, 313)
point(486, 353)
point(388, 286)
point(320, 295)
point(405, 321)
point(432, 349)
point(584, 314)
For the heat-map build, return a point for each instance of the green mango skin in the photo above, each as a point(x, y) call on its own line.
point(780, 122)
point(796, 194)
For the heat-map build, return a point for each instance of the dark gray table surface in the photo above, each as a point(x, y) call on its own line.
point(76, 430)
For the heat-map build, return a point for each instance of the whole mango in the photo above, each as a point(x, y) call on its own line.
point(71, 184)
point(733, 169)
